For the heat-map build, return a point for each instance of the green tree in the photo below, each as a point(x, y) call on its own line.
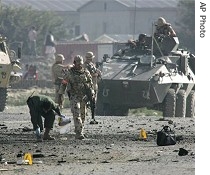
point(186, 23)
point(16, 22)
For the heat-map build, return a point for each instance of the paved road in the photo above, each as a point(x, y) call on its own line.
point(112, 147)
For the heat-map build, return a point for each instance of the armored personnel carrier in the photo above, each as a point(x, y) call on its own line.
point(155, 73)
point(9, 70)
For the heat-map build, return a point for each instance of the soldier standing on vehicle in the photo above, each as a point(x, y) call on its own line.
point(91, 67)
point(42, 106)
point(75, 82)
point(140, 43)
point(57, 75)
point(164, 28)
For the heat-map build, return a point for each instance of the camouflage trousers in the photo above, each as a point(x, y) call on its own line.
point(78, 109)
point(57, 87)
point(96, 94)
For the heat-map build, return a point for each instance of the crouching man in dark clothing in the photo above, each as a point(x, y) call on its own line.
point(42, 106)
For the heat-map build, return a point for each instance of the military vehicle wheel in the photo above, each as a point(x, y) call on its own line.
point(3, 98)
point(180, 103)
point(190, 109)
point(169, 104)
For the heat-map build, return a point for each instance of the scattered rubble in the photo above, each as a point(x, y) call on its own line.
point(111, 147)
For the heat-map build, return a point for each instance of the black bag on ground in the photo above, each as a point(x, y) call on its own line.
point(166, 137)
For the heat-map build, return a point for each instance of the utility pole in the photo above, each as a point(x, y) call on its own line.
point(134, 21)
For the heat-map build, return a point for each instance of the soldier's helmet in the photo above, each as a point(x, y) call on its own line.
point(142, 36)
point(59, 58)
point(78, 59)
point(161, 21)
point(89, 56)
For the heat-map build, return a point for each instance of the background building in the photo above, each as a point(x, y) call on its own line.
point(98, 17)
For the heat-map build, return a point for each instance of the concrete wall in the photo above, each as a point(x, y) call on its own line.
point(69, 50)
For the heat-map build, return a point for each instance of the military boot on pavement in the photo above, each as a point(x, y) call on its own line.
point(46, 135)
point(79, 136)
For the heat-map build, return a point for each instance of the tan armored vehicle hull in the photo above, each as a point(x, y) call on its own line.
point(9, 70)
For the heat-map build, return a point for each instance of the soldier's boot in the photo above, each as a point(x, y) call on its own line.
point(79, 136)
point(46, 135)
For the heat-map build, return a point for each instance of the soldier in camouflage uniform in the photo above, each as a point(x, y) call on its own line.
point(43, 106)
point(57, 76)
point(75, 82)
point(164, 28)
point(91, 67)
point(140, 43)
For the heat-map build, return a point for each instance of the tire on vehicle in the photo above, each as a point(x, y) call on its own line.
point(190, 107)
point(180, 103)
point(169, 104)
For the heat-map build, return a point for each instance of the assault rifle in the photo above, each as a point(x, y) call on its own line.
point(92, 103)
